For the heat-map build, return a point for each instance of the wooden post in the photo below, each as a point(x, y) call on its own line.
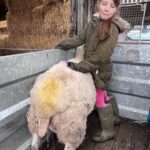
point(80, 14)
point(74, 17)
point(89, 10)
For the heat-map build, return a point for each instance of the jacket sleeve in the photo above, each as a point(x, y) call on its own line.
point(73, 42)
point(100, 55)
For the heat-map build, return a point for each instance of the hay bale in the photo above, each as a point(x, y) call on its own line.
point(39, 2)
point(3, 33)
point(52, 22)
point(53, 19)
point(45, 41)
point(17, 5)
point(38, 18)
point(47, 2)
point(3, 41)
point(41, 27)
point(34, 41)
point(19, 22)
point(3, 27)
point(57, 18)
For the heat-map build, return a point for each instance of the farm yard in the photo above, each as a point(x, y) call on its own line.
point(29, 31)
point(129, 136)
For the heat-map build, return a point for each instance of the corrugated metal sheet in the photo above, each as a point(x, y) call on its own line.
point(131, 80)
point(130, 85)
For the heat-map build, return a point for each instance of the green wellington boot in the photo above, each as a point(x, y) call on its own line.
point(107, 124)
point(113, 102)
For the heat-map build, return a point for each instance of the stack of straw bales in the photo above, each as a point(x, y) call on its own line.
point(3, 33)
point(38, 24)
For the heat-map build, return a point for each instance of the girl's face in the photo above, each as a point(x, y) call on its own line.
point(107, 9)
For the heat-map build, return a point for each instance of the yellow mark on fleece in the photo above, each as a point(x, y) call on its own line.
point(48, 93)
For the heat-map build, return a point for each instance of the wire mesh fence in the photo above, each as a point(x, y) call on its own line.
point(135, 15)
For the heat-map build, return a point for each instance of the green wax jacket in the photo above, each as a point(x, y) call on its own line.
point(97, 58)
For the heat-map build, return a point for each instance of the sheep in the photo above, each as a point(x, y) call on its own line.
point(61, 100)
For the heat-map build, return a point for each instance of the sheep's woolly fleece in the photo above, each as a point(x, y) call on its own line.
point(51, 92)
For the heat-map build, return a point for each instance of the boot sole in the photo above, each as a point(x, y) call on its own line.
point(104, 140)
point(117, 123)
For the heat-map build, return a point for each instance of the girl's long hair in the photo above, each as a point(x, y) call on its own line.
point(104, 26)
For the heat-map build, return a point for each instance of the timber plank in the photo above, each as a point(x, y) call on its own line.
point(139, 140)
point(87, 144)
point(108, 145)
point(104, 146)
point(124, 137)
point(131, 137)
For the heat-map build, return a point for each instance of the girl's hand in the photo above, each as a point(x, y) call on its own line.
point(64, 62)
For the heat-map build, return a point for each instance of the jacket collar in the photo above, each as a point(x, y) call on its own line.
point(122, 24)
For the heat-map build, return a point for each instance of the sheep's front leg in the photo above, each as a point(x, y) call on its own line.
point(69, 146)
point(35, 142)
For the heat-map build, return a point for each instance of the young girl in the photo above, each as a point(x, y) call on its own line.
point(100, 38)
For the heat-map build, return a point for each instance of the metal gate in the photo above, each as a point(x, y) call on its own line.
point(135, 15)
